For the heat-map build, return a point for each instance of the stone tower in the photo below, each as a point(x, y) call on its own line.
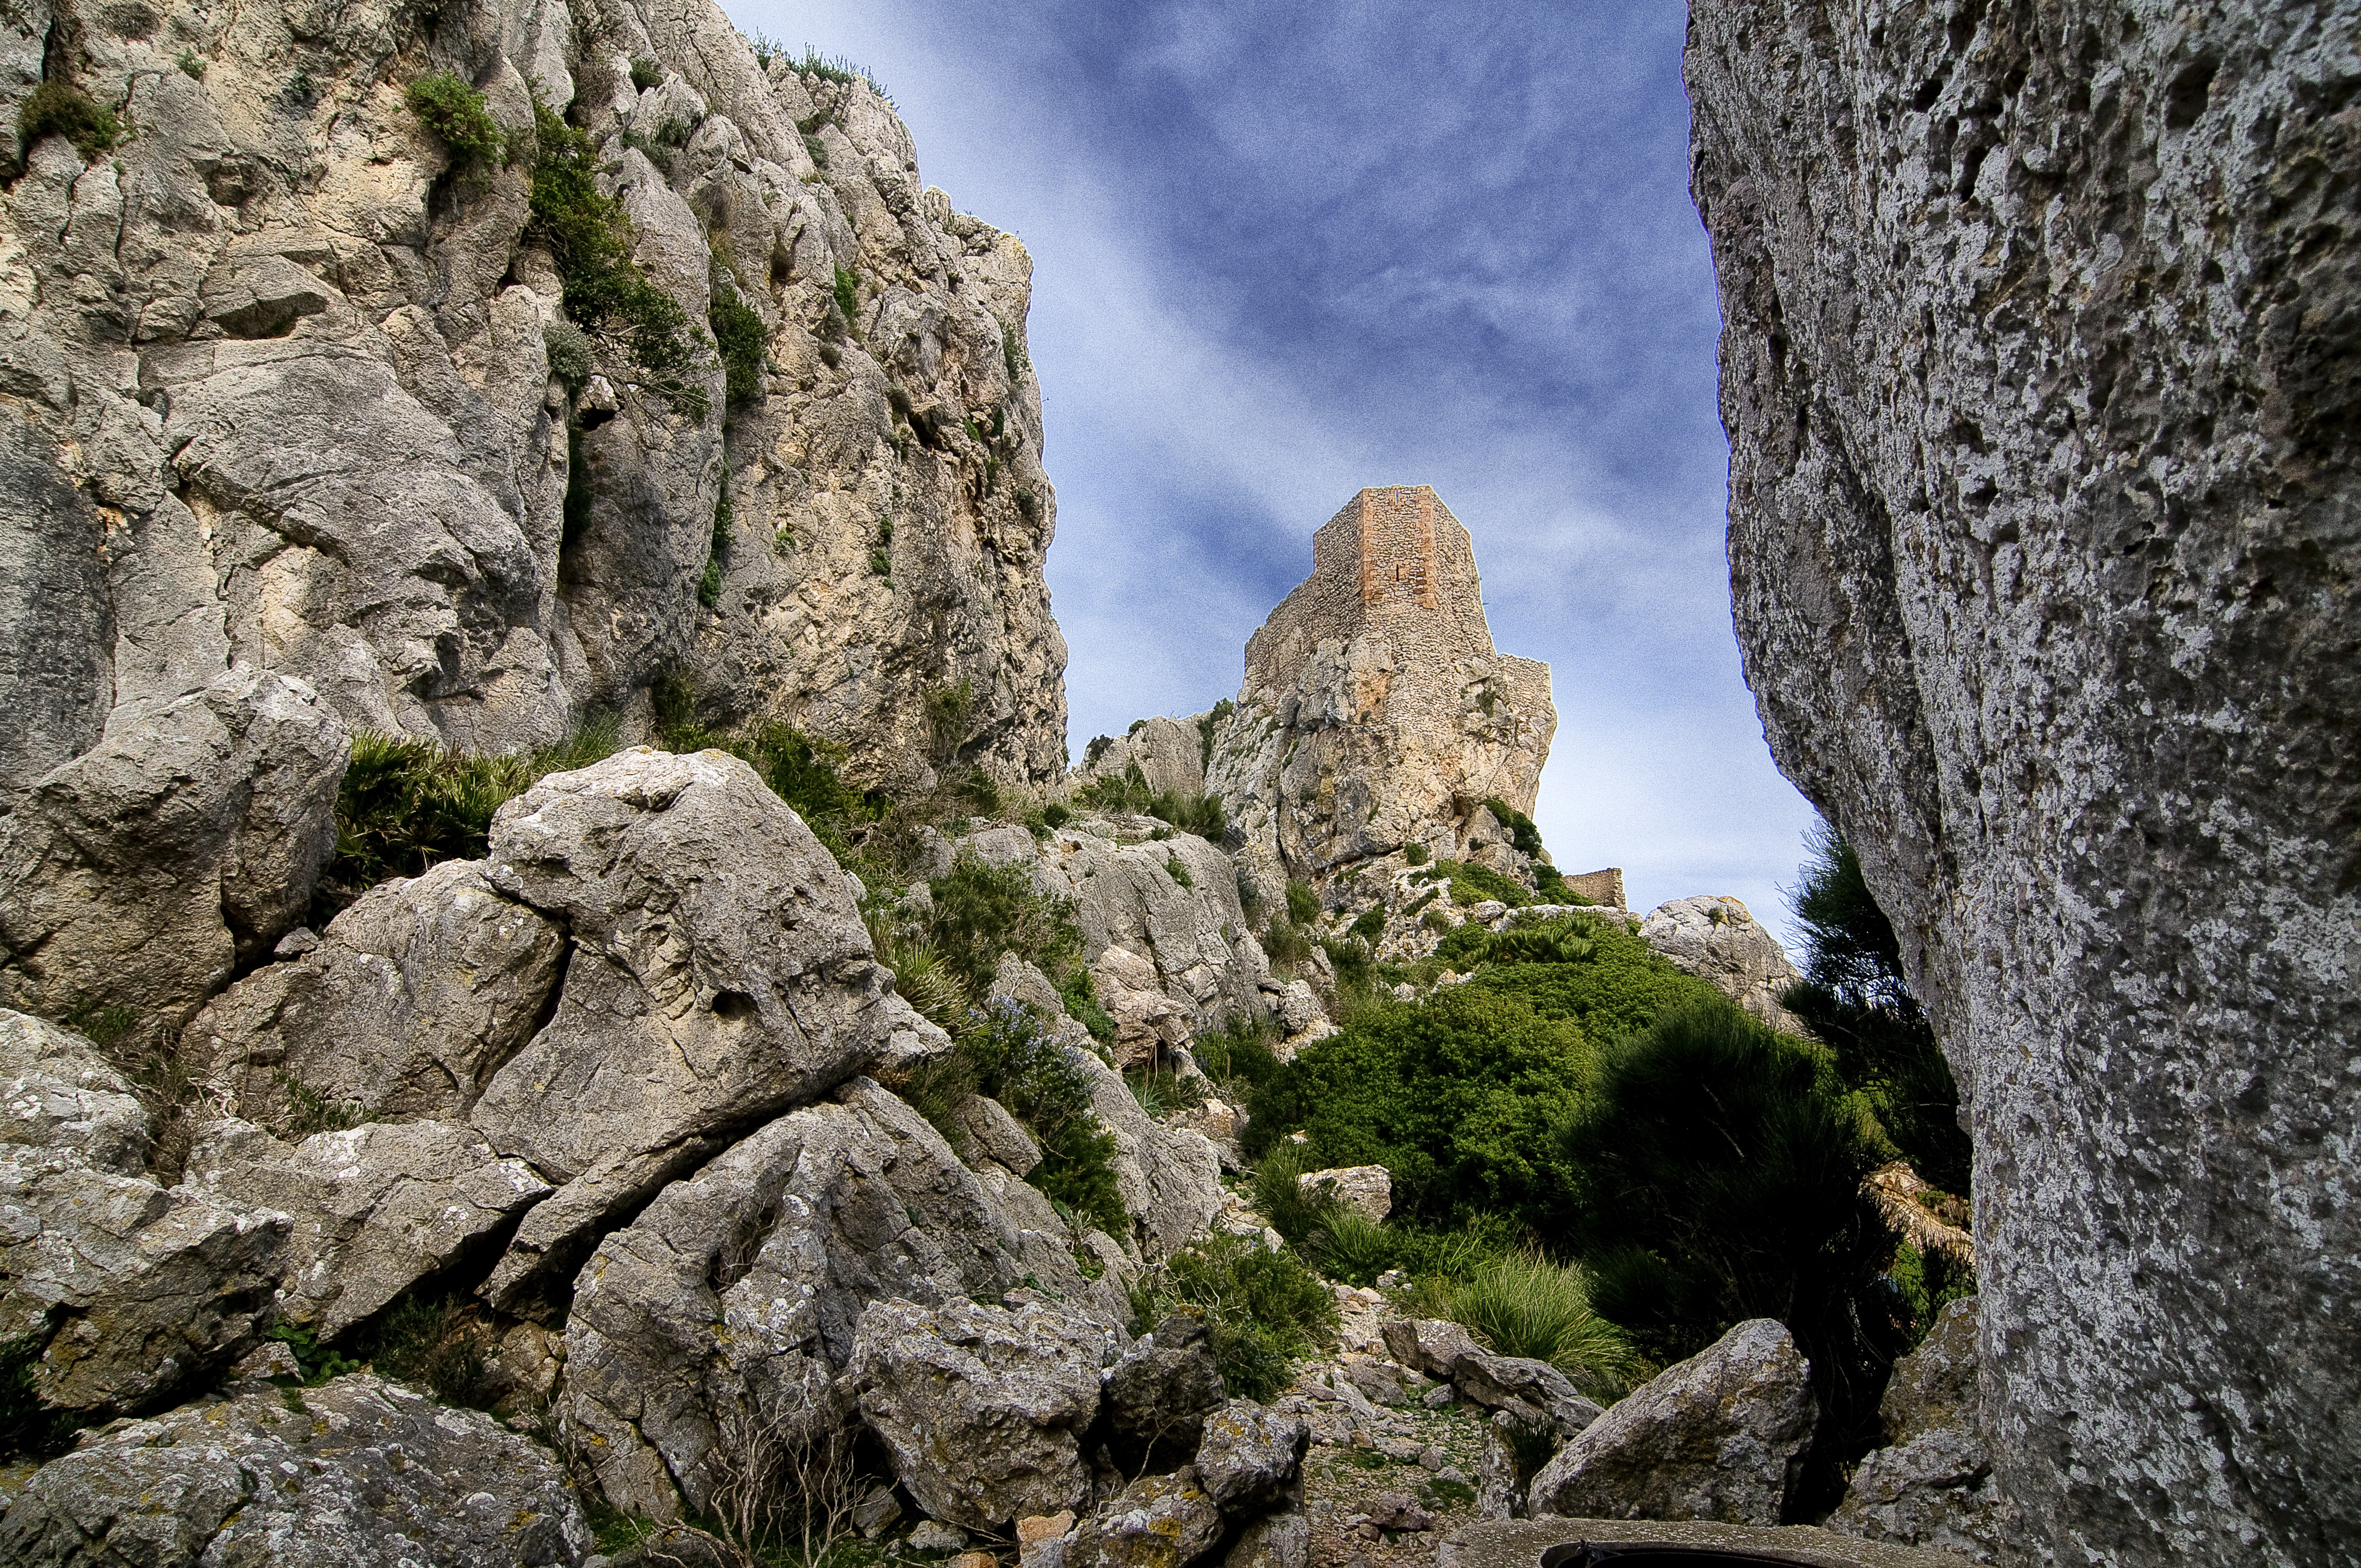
point(1374, 711)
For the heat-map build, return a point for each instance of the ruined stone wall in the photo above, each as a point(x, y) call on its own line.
point(1374, 711)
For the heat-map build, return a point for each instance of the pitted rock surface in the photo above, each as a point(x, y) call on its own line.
point(1932, 1484)
point(357, 1473)
point(2038, 378)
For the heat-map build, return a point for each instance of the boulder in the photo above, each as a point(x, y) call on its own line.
point(357, 1473)
point(1932, 1484)
point(1170, 1178)
point(1156, 1398)
point(407, 1006)
point(1531, 1391)
point(184, 842)
point(1366, 1189)
point(2088, 734)
point(720, 973)
point(376, 1210)
point(1158, 1521)
point(135, 1294)
point(1251, 1456)
point(1719, 941)
point(981, 1408)
point(1283, 1539)
point(1169, 753)
point(737, 1295)
point(57, 1092)
point(1719, 1436)
point(993, 1135)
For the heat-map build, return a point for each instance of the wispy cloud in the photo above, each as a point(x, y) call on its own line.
point(1285, 252)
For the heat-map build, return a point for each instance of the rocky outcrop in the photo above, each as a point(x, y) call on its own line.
point(1157, 1397)
point(359, 1473)
point(408, 1003)
point(288, 452)
point(722, 1316)
point(1170, 755)
point(1719, 1436)
point(1163, 929)
point(1719, 941)
point(374, 1209)
point(981, 1408)
point(2038, 379)
point(1374, 712)
point(1366, 1189)
point(1932, 1484)
point(720, 973)
point(1531, 1392)
point(133, 1293)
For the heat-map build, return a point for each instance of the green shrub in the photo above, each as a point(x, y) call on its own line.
point(1923, 1285)
point(839, 69)
point(439, 1345)
point(406, 804)
point(848, 295)
point(1523, 837)
point(1416, 854)
point(192, 64)
point(316, 1363)
point(1370, 926)
point(603, 290)
point(1200, 814)
point(1237, 1057)
point(1458, 1098)
point(1221, 710)
point(1279, 1196)
point(983, 911)
point(1622, 985)
point(1178, 872)
point(456, 113)
point(1854, 998)
point(1043, 1084)
point(569, 361)
point(1284, 943)
point(738, 333)
point(646, 74)
point(1471, 884)
point(1520, 1303)
point(1715, 1174)
point(1263, 1310)
point(62, 109)
point(1303, 904)
point(805, 771)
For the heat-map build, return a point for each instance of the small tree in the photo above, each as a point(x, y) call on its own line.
point(1854, 997)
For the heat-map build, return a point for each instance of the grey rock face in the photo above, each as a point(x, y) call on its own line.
point(411, 1001)
point(720, 973)
point(981, 1406)
point(1719, 941)
point(319, 414)
point(186, 839)
point(59, 681)
point(1169, 753)
point(1170, 1178)
point(1980, 269)
point(738, 1293)
point(57, 1092)
point(1529, 1391)
point(1716, 1437)
point(1250, 1457)
point(135, 1293)
point(374, 1209)
point(1932, 1485)
point(367, 1474)
point(1156, 1398)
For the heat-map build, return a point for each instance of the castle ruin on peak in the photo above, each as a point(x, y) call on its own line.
point(1374, 712)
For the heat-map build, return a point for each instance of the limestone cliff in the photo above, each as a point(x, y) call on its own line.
point(300, 439)
point(2039, 378)
point(1374, 712)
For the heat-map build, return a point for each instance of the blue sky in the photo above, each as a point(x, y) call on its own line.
point(1282, 252)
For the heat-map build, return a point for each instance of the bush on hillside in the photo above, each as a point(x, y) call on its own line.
point(1263, 1310)
point(1622, 985)
point(406, 803)
point(62, 109)
point(1471, 884)
point(457, 115)
point(1199, 814)
point(1716, 1175)
point(982, 911)
point(1456, 1098)
point(1520, 1303)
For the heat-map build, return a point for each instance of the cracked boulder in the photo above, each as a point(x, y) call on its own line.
point(1251, 1456)
point(359, 1473)
point(720, 974)
point(375, 1209)
point(1932, 1484)
point(1719, 941)
point(725, 1310)
point(1156, 1398)
point(413, 998)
